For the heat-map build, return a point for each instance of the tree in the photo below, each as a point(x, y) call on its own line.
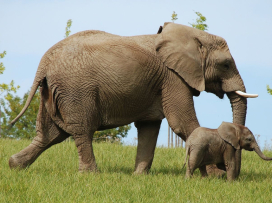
point(25, 127)
point(199, 24)
point(269, 91)
point(2, 67)
point(174, 16)
point(112, 135)
point(6, 87)
point(67, 29)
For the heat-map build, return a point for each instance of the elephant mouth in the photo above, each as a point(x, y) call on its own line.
point(218, 89)
point(248, 148)
point(215, 88)
point(220, 94)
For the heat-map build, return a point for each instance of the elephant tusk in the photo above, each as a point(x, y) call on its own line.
point(243, 94)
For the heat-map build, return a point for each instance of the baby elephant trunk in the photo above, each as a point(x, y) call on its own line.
point(259, 152)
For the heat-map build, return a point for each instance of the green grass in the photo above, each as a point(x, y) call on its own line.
point(54, 177)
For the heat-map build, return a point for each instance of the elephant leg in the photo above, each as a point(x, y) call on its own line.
point(191, 167)
point(48, 134)
point(188, 172)
point(214, 170)
point(231, 171)
point(238, 154)
point(221, 166)
point(178, 107)
point(147, 138)
point(194, 162)
point(230, 163)
point(85, 153)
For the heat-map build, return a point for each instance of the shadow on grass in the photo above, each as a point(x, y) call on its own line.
point(118, 169)
point(253, 176)
point(153, 171)
point(245, 176)
point(169, 171)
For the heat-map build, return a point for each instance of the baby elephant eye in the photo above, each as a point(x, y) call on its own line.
point(249, 139)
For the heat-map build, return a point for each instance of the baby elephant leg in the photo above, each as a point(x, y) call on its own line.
point(215, 170)
point(194, 162)
point(188, 172)
point(203, 171)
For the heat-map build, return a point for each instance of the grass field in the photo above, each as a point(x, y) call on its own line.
point(54, 177)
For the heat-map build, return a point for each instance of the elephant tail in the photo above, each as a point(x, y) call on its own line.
point(186, 156)
point(32, 92)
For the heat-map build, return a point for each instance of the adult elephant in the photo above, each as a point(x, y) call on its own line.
point(94, 80)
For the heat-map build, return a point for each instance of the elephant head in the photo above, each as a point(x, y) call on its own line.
point(240, 137)
point(204, 61)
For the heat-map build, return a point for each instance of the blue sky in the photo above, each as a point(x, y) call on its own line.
point(29, 28)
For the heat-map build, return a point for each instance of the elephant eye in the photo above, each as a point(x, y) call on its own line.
point(226, 66)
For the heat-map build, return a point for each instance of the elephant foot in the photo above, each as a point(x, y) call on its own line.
point(16, 162)
point(142, 168)
point(188, 175)
point(140, 172)
point(88, 168)
point(212, 170)
point(26, 157)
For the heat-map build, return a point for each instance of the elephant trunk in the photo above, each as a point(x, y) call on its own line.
point(239, 107)
point(259, 152)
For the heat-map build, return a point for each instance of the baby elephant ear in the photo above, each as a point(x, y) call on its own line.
point(227, 131)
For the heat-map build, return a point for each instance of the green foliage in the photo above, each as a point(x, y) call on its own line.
point(174, 16)
point(200, 22)
point(112, 135)
point(6, 87)
point(2, 67)
point(25, 126)
point(2, 55)
point(67, 29)
point(54, 177)
point(269, 91)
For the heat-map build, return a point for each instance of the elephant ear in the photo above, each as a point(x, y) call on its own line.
point(181, 50)
point(228, 132)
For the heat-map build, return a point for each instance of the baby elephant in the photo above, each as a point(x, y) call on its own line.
point(220, 146)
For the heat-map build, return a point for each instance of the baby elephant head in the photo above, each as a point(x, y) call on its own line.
point(240, 137)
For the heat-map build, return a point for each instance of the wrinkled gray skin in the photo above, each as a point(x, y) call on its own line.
point(94, 80)
point(220, 146)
